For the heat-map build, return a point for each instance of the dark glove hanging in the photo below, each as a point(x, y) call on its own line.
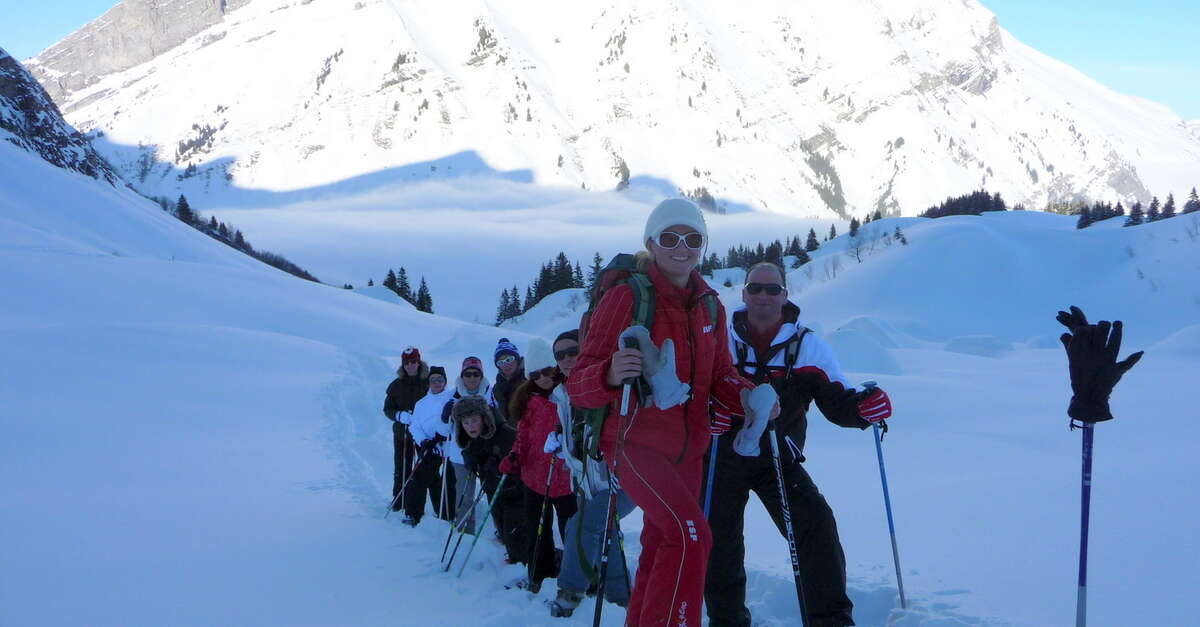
point(1092, 352)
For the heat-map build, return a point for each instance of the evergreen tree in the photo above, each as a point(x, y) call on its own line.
point(183, 210)
point(801, 259)
point(832, 231)
point(774, 253)
point(596, 269)
point(390, 282)
point(403, 288)
point(1120, 210)
point(212, 224)
point(812, 243)
point(854, 227)
point(794, 248)
point(997, 203)
point(1153, 214)
point(424, 298)
point(879, 214)
point(503, 309)
point(577, 276)
point(223, 230)
point(1085, 218)
point(1135, 215)
point(370, 283)
point(562, 273)
point(1193, 203)
point(899, 235)
point(239, 242)
point(530, 299)
point(1168, 208)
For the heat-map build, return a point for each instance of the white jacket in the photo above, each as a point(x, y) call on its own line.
point(425, 421)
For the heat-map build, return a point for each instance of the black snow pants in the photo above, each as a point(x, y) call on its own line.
point(508, 513)
point(822, 562)
point(564, 508)
point(404, 453)
point(428, 481)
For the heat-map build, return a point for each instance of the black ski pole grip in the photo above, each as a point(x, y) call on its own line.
point(627, 384)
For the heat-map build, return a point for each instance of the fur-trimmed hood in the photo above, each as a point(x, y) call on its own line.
point(466, 406)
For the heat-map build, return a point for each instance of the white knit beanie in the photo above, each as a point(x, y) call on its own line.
point(674, 211)
point(537, 356)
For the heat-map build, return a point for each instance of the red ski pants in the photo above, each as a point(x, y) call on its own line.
point(669, 589)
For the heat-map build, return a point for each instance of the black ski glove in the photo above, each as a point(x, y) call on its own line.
point(1092, 352)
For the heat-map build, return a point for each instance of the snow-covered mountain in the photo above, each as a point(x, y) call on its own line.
point(811, 109)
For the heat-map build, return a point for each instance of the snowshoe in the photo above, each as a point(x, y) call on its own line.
point(564, 604)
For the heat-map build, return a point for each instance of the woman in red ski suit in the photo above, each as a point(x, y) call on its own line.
point(660, 459)
point(536, 418)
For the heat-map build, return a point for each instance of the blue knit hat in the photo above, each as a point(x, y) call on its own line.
point(505, 347)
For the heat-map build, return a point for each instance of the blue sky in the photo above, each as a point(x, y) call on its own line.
point(1149, 48)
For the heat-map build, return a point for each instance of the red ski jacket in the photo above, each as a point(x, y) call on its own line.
point(702, 360)
point(540, 419)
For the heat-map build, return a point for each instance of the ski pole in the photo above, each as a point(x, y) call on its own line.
point(404, 487)
point(1085, 512)
point(488, 514)
point(537, 540)
point(462, 529)
point(887, 503)
point(611, 515)
point(786, 510)
point(712, 472)
point(887, 499)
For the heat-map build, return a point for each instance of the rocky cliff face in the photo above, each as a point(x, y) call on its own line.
point(131, 33)
point(30, 119)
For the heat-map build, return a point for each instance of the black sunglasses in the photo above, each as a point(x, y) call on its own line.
point(565, 353)
point(472, 375)
point(772, 289)
point(670, 239)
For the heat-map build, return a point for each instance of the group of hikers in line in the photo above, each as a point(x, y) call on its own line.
point(713, 396)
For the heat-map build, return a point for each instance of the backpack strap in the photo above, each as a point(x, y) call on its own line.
point(742, 354)
point(643, 299)
point(792, 352)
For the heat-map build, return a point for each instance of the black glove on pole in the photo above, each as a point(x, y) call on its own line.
point(1092, 352)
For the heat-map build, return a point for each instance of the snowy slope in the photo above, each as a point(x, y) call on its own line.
point(200, 440)
point(807, 109)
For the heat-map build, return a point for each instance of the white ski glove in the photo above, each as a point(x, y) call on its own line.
point(658, 368)
point(554, 445)
point(756, 404)
point(405, 417)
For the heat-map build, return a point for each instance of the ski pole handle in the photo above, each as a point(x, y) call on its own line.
point(627, 385)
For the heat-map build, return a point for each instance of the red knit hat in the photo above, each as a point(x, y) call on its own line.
point(411, 354)
point(472, 362)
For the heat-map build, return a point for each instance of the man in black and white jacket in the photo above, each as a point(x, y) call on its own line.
point(769, 344)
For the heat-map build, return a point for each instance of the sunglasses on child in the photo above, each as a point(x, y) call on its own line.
point(773, 289)
point(565, 353)
point(472, 374)
point(505, 360)
point(669, 239)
